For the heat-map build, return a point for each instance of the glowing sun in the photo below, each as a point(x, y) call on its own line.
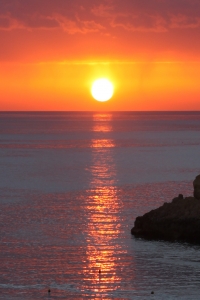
point(102, 89)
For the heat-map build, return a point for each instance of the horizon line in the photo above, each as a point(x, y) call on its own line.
point(97, 111)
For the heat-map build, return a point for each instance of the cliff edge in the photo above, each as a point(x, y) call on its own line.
point(176, 220)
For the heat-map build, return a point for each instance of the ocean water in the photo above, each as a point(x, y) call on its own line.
point(71, 186)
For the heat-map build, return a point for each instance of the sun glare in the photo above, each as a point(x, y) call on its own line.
point(102, 90)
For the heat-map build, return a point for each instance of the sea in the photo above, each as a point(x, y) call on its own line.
point(71, 186)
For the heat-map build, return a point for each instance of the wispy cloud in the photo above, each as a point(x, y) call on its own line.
point(184, 21)
point(95, 16)
point(142, 23)
point(150, 16)
point(77, 25)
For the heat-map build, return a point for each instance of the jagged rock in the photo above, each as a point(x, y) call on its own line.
point(177, 220)
point(196, 185)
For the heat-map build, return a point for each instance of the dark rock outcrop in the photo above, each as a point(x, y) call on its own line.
point(196, 185)
point(177, 220)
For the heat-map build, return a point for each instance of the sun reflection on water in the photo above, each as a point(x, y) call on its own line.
point(103, 209)
point(102, 122)
point(105, 143)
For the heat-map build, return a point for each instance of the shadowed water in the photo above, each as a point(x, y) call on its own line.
point(71, 186)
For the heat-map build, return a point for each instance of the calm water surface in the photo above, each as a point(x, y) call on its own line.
point(71, 186)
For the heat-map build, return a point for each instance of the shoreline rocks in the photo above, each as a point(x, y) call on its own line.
point(196, 185)
point(177, 220)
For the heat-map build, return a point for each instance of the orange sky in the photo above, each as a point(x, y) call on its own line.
point(52, 50)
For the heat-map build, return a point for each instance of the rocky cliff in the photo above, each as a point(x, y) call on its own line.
point(177, 220)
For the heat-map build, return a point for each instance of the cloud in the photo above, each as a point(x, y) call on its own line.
point(66, 15)
point(184, 21)
point(150, 16)
point(103, 10)
point(34, 22)
point(143, 23)
point(77, 26)
point(78, 17)
point(9, 23)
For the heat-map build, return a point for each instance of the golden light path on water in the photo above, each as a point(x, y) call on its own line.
point(104, 222)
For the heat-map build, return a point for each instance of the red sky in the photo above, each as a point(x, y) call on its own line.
point(52, 50)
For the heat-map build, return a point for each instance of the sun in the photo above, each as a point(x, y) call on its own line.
point(102, 89)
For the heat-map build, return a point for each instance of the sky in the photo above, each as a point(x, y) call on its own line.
point(52, 51)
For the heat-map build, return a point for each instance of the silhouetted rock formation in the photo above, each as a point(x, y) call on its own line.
point(196, 185)
point(177, 220)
